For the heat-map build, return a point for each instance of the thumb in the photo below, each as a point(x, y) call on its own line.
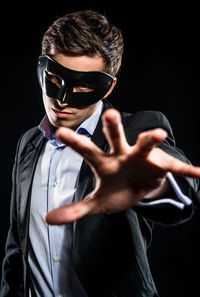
point(69, 213)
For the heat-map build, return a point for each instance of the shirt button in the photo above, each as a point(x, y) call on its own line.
point(54, 183)
point(56, 259)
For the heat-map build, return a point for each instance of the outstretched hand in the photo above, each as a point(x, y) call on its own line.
point(124, 175)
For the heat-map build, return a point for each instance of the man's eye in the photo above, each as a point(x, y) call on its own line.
point(83, 87)
point(54, 79)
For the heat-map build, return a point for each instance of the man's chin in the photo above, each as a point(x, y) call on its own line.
point(66, 124)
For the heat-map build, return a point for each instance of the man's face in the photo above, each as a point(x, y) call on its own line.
point(62, 114)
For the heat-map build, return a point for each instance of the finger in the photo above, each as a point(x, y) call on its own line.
point(70, 213)
point(81, 144)
point(182, 169)
point(66, 214)
point(114, 131)
point(147, 140)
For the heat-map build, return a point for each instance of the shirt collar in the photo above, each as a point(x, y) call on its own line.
point(89, 124)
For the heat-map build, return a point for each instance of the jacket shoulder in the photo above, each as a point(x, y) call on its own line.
point(135, 123)
point(146, 120)
point(32, 136)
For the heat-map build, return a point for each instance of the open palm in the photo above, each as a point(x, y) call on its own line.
point(124, 175)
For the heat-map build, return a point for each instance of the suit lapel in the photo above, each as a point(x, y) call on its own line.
point(26, 168)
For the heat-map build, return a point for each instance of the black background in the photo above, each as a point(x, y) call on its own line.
point(160, 72)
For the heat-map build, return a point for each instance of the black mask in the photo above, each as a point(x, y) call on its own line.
point(98, 82)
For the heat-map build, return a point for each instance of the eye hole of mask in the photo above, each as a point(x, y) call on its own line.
point(54, 79)
point(83, 88)
point(79, 87)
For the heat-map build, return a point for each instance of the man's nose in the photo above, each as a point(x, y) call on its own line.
point(61, 104)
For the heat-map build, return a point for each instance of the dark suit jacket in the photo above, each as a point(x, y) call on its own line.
point(109, 251)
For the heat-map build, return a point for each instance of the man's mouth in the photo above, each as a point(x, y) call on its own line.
point(62, 113)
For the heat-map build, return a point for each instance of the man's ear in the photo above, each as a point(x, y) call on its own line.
point(111, 88)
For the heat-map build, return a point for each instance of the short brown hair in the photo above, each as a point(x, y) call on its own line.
point(86, 32)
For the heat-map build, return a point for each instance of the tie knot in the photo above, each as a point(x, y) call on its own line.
point(83, 131)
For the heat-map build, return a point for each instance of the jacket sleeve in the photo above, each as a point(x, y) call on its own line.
point(12, 283)
point(175, 206)
point(178, 204)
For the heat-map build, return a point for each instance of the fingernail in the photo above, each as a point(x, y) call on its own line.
point(161, 132)
point(111, 120)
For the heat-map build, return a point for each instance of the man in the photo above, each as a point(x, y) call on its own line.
point(95, 246)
